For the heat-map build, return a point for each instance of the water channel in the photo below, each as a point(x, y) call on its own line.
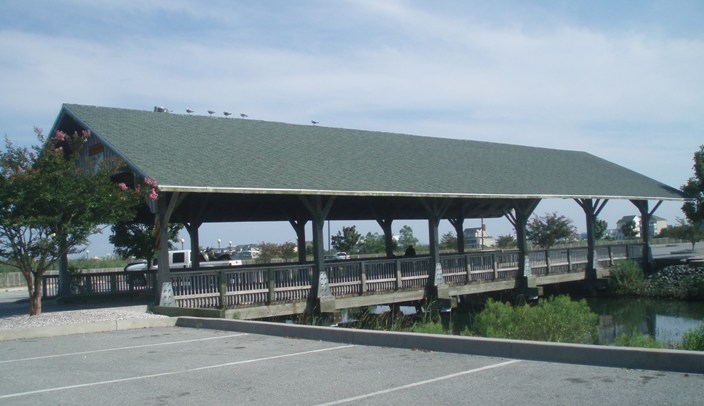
point(664, 320)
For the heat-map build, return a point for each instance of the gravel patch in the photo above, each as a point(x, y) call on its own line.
point(63, 318)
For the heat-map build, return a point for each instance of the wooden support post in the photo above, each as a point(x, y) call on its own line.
point(321, 299)
point(458, 224)
point(113, 284)
point(385, 224)
point(645, 216)
point(548, 262)
point(435, 209)
point(592, 209)
point(522, 210)
point(299, 226)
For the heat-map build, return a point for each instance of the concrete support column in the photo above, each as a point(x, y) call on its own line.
point(591, 208)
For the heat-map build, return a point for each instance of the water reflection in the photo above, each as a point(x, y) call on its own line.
point(663, 320)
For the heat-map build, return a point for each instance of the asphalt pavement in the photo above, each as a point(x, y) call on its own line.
point(186, 366)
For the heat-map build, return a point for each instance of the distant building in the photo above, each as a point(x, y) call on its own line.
point(656, 225)
point(478, 237)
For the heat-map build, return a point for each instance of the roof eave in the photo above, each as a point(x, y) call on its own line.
point(275, 191)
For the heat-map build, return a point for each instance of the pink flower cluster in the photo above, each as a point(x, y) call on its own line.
point(153, 195)
point(61, 136)
point(151, 183)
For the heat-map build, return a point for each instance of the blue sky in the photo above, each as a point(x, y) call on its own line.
point(619, 79)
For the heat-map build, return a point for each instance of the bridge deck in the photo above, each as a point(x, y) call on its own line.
point(251, 292)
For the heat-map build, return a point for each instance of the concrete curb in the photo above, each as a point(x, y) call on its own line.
point(615, 357)
point(85, 328)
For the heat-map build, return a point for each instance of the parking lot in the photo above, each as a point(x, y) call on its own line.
point(185, 366)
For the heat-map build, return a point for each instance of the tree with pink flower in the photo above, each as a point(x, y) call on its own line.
point(49, 207)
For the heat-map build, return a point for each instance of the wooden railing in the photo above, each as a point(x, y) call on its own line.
point(102, 284)
point(265, 285)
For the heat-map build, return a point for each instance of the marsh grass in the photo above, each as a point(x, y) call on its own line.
point(555, 319)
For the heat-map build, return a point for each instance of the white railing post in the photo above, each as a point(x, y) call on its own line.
point(495, 265)
point(468, 268)
point(223, 289)
point(399, 280)
point(271, 285)
point(363, 277)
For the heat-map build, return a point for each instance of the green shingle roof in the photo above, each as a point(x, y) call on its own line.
point(200, 153)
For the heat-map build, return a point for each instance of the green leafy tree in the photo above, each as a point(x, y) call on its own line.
point(372, 243)
point(629, 230)
point(268, 251)
point(600, 228)
point(406, 237)
point(448, 241)
point(547, 230)
point(288, 250)
point(506, 241)
point(49, 206)
point(138, 240)
point(347, 239)
point(685, 230)
point(694, 208)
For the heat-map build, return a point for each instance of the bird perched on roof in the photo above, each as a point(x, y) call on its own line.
point(189, 111)
point(227, 113)
point(314, 122)
point(211, 112)
point(243, 115)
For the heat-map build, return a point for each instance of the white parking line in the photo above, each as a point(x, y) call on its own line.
point(185, 371)
point(411, 385)
point(120, 348)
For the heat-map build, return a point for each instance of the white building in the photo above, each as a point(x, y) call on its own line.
point(477, 237)
point(656, 225)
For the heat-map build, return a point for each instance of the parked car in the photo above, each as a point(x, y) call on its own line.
point(342, 255)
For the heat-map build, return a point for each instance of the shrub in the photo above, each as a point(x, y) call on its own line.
point(626, 277)
point(676, 282)
point(556, 319)
point(693, 339)
point(636, 339)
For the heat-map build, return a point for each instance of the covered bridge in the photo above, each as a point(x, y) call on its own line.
point(219, 169)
